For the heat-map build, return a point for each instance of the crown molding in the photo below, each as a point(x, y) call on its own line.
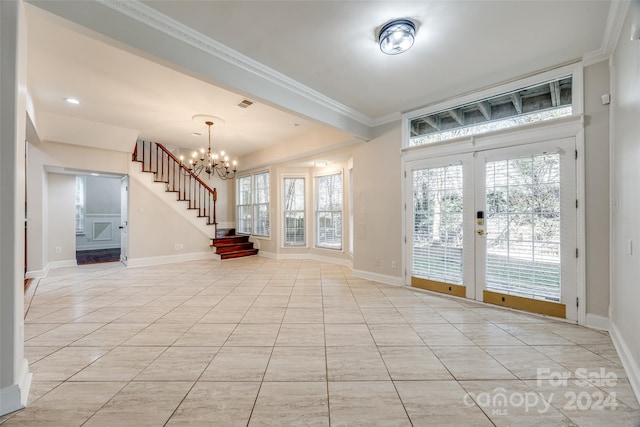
point(615, 20)
point(146, 15)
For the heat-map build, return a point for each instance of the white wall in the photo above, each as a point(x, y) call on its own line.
point(155, 229)
point(61, 208)
point(596, 84)
point(15, 378)
point(378, 210)
point(53, 154)
point(625, 122)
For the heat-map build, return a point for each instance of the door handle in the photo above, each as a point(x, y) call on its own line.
point(121, 227)
point(481, 232)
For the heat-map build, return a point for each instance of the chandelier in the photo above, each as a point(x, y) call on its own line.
point(210, 162)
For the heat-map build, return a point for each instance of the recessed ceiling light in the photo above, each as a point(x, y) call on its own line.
point(95, 174)
point(73, 101)
point(320, 163)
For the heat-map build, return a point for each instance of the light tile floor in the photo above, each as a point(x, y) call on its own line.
point(285, 343)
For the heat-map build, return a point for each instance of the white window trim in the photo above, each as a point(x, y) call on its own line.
point(252, 175)
point(576, 70)
point(237, 189)
point(315, 209)
point(281, 212)
point(571, 126)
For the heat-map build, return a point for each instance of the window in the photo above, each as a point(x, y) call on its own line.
point(329, 211)
point(252, 204)
point(261, 204)
point(243, 204)
point(294, 217)
point(351, 207)
point(537, 103)
point(80, 203)
point(438, 224)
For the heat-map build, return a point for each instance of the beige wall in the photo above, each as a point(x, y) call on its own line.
point(155, 228)
point(625, 289)
point(61, 208)
point(53, 154)
point(596, 83)
point(15, 377)
point(378, 210)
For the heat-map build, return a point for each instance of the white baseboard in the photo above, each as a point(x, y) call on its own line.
point(36, 274)
point(596, 321)
point(169, 259)
point(272, 255)
point(226, 225)
point(97, 247)
point(61, 264)
point(15, 396)
point(312, 257)
point(376, 277)
point(629, 363)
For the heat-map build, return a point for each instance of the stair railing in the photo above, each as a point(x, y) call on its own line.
point(167, 168)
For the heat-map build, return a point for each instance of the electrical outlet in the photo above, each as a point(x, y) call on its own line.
point(393, 264)
point(178, 246)
point(58, 249)
point(377, 262)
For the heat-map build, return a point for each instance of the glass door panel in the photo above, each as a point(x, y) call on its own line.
point(525, 244)
point(440, 202)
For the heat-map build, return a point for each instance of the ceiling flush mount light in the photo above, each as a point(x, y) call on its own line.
point(397, 36)
point(73, 101)
point(210, 162)
point(320, 163)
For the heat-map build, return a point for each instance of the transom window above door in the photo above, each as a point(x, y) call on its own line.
point(540, 102)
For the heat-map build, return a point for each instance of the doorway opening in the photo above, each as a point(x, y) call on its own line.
point(99, 218)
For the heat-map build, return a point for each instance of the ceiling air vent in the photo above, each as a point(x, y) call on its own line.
point(245, 103)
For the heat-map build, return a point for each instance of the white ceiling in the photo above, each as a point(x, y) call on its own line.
point(322, 56)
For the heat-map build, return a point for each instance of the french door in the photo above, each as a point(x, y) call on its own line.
point(497, 226)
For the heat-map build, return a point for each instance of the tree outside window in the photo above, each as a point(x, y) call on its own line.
point(294, 214)
point(329, 211)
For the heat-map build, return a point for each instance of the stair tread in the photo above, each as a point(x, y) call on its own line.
point(229, 240)
point(238, 254)
point(225, 244)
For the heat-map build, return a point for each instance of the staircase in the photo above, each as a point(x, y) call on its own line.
point(169, 170)
point(229, 245)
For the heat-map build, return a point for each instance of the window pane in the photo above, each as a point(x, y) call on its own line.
point(532, 104)
point(329, 228)
point(294, 217)
point(523, 241)
point(294, 229)
point(262, 188)
point(244, 190)
point(261, 223)
point(243, 222)
point(252, 204)
point(330, 193)
point(438, 230)
point(329, 211)
point(294, 194)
